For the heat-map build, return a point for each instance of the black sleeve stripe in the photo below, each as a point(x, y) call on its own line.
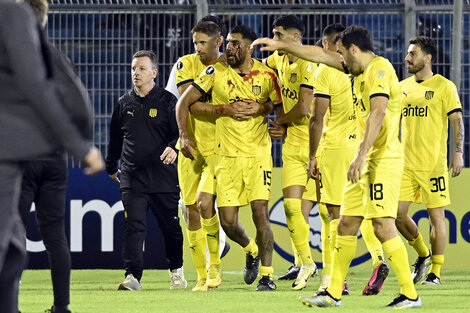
point(321, 95)
point(184, 82)
point(379, 95)
point(198, 88)
point(454, 110)
point(306, 86)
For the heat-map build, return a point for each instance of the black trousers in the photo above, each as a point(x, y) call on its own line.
point(45, 183)
point(165, 208)
point(12, 243)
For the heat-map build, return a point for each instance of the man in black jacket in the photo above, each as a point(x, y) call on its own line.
point(143, 134)
point(45, 179)
point(34, 124)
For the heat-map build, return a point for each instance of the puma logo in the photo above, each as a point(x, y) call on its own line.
point(131, 113)
point(213, 236)
point(291, 230)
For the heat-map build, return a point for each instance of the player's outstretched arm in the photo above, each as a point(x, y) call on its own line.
point(309, 53)
point(190, 96)
point(458, 131)
point(378, 106)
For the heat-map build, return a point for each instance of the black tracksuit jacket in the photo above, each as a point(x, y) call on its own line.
point(141, 129)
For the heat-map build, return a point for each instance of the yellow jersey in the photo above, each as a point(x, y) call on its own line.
point(426, 106)
point(379, 79)
point(340, 125)
point(241, 138)
point(293, 76)
point(201, 129)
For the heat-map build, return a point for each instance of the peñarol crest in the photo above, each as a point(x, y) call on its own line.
point(256, 90)
point(153, 112)
point(429, 94)
point(293, 78)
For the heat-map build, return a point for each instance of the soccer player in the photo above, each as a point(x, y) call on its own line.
point(333, 127)
point(374, 174)
point(196, 176)
point(243, 147)
point(296, 77)
point(428, 101)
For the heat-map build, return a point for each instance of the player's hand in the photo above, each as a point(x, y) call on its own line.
point(269, 44)
point(168, 156)
point(115, 176)
point(456, 164)
point(312, 168)
point(93, 162)
point(246, 109)
point(355, 168)
point(276, 131)
point(187, 147)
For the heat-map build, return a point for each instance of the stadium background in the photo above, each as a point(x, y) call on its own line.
point(100, 36)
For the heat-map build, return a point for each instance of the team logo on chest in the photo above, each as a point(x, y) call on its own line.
point(293, 78)
point(429, 94)
point(256, 90)
point(153, 112)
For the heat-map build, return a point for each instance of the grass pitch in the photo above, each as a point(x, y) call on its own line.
point(95, 291)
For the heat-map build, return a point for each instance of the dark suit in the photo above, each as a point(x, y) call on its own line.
point(33, 123)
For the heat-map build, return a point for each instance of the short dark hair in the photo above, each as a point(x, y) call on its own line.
point(290, 21)
point(211, 29)
point(247, 32)
point(427, 45)
point(333, 29)
point(218, 21)
point(356, 35)
point(149, 54)
point(40, 8)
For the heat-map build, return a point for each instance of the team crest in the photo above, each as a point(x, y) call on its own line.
point(179, 65)
point(362, 86)
point(153, 112)
point(429, 94)
point(293, 78)
point(256, 90)
point(210, 70)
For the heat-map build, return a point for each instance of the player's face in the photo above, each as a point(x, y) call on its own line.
point(349, 58)
point(284, 35)
point(328, 44)
point(237, 49)
point(142, 72)
point(206, 47)
point(415, 59)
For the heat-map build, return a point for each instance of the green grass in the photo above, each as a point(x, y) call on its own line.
point(94, 291)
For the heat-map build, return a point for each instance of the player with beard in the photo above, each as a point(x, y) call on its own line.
point(429, 101)
point(375, 172)
point(243, 147)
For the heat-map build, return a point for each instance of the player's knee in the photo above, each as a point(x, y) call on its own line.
point(205, 205)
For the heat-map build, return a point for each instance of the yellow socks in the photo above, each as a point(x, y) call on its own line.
point(211, 227)
point(419, 246)
point(251, 248)
point(266, 271)
point(344, 251)
point(326, 254)
point(373, 244)
point(398, 259)
point(297, 260)
point(197, 245)
point(298, 229)
point(436, 264)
